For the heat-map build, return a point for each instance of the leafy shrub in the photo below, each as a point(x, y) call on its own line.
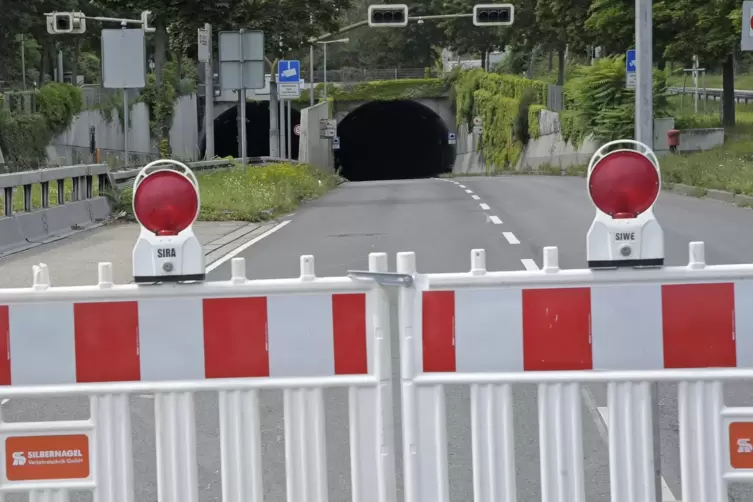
point(59, 103)
point(599, 104)
point(383, 90)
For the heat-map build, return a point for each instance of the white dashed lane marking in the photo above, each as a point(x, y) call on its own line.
point(495, 220)
point(511, 237)
point(529, 264)
point(461, 186)
point(485, 207)
point(469, 191)
point(475, 197)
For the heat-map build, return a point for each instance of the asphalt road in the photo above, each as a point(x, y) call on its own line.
point(513, 218)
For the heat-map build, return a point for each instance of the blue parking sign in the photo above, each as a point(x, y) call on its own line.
point(289, 72)
point(630, 61)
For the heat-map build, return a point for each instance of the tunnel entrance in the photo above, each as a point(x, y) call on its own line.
point(387, 140)
point(257, 131)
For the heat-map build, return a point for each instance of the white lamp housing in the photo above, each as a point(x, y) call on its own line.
point(624, 242)
point(168, 258)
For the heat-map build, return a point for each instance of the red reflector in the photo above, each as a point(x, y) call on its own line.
point(165, 203)
point(624, 184)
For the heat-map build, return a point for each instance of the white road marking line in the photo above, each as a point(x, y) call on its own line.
point(4, 401)
point(475, 197)
point(235, 252)
point(495, 220)
point(667, 495)
point(529, 264)
point(485, 207)
point(511, 237)
point(469, 191)
point(461, 186)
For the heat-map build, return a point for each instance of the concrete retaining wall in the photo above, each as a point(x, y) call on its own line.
point(312, 149)
point(72, 147)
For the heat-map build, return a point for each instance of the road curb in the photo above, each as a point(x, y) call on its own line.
point(710, 193)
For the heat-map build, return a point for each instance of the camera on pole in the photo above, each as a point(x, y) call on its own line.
point(62, 23)
point(388, 16)
point(498, 14)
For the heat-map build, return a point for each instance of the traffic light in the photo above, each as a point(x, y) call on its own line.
point(61, 23)
point(495, 14)
point(387, 16)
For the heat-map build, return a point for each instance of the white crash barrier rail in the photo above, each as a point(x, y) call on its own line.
point(108, 341)
point(563, 328)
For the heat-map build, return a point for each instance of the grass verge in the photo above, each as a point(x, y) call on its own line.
point(256, 193)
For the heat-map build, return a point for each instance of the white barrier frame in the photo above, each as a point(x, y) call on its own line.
point(109, 427)
point(703, 441)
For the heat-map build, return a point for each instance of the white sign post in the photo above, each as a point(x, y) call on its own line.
point(746, 42)
point(203, 45)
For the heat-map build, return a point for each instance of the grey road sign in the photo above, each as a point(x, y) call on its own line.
point(123, 58)
point(204, 45)
point(747, 31)
point(241, 59)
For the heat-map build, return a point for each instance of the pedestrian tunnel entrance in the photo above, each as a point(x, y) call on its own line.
point(387, 140)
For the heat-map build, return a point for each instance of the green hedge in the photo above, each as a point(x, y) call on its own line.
point(385, 90)
point(509, 106)
point(598, 103)
point(24, 137)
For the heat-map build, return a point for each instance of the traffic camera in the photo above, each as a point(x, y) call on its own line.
point(498, 14)
point(387, 16)
point(62, 23)
point(624, 184)
point(166, 204)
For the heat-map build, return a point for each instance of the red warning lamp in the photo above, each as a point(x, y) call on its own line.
point(166, 202)
point(624, 184)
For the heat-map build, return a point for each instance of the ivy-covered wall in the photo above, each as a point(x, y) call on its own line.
point(385, 90)
point(25, 131)
point(509, 106)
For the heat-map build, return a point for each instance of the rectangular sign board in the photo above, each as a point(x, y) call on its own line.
point(631, 80)
point(204, 45)
point(46, 458)
point(123, 58)
point(451, 138)
point(288, 71)
point(241, 59)
point(288, 90)
point(746, 42)
point(327, 128)
point(630, 61)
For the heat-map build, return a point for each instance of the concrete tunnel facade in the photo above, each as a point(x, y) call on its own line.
point(379, 140)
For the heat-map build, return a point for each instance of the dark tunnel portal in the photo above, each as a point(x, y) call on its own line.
point(257, 131)
point(388, 140)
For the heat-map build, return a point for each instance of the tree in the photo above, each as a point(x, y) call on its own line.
point(561, 25)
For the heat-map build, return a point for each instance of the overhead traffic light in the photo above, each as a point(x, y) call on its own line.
point(496, 14)
point(61, 23)
point(388, 16)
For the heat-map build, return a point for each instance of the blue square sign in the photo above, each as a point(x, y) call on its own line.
point(289, 72)
point(630, 61)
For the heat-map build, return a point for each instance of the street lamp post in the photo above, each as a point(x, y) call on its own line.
point(324, 43)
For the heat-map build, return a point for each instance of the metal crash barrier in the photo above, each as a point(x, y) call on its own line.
point(627, 321)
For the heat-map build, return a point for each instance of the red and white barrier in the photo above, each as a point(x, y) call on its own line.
point(185, 338)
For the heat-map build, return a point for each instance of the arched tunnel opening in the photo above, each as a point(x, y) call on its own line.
point(257, 131)
point(388, 140)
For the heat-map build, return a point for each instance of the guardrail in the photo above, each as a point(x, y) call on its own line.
point(32, 216)
point(740, 95)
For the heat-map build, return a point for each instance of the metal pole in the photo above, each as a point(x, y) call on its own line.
point(644, 132)
point(644, 123)
point(125, 124)
point(325, 70)
point(311, 74)
point(274, 141)
point(242, 104)
point(23, 61)
point(282, 127)
point(289, 134)
point(209, 100)
point(60, 65)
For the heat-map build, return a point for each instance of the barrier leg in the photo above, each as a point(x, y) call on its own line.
point(240, 439)
point(175, 429)
point(493, 443)
point(631, 442)
point(561, 443)
point(423, 408)
point(305, 445)
point(700, 405)
point(112, 451)
point(372, 428)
